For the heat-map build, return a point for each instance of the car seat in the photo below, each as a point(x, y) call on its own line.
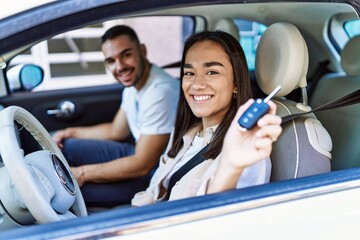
point(304, 146)
point(228, 25)
point(343, 123)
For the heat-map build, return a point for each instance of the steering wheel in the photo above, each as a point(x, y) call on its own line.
point(42, 179)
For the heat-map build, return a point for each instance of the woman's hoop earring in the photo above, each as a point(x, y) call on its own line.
point(235, 95)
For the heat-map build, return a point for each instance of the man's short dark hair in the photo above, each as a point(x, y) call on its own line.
point(119, 30)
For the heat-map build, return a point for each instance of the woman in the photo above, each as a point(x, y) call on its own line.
point(215, 82)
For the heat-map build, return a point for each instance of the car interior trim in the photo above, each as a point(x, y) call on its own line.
point(118, 222)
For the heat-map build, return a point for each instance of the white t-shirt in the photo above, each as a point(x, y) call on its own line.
point(152, 110)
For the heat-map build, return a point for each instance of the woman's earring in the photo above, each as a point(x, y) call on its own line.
point(235, 94)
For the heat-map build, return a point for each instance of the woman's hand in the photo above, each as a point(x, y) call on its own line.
point(244, 148)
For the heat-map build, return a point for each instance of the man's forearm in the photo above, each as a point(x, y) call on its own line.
point(100, 132)
point(115, 170)
point(147, 153)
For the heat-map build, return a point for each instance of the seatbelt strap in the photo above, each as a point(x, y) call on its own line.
point(349, 99)
point(172, 65)
point(321, 70)
point(193, 162)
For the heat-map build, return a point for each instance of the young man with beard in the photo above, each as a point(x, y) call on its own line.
point(109, 171)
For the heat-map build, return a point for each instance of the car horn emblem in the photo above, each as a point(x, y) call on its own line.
point(63, 174)
point(60, 174)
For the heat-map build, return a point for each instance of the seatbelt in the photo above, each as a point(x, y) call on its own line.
point(314, 79)
point(349, 99)
point(172, 65)
point(193, 162)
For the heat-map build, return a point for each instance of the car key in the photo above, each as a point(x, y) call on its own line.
point(258, 109)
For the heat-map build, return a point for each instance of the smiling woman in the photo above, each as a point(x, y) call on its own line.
point(213, 88)
point(208, 80)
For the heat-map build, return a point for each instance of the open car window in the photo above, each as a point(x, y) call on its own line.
point(352, 28)
point(250, 33)
point(74, 59)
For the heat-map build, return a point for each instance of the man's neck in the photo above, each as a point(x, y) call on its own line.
point(145, 77)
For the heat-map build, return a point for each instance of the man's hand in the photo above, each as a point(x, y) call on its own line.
point(61, 135)
point(79, 174)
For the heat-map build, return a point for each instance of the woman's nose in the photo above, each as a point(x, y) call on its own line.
point(199, 83)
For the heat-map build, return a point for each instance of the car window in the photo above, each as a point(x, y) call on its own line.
point(352, 28)
point(250, 33)
point(74, 59)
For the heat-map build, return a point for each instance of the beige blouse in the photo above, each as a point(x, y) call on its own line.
point(195, 182)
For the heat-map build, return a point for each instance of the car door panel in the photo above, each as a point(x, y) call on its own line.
point(93, 105)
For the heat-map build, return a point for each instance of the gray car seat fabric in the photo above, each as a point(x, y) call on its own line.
point(343, 123)
point(303, 148)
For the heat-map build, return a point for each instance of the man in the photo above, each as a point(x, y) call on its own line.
point(111, 172)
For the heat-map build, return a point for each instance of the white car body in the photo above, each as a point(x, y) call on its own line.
point(324, 206)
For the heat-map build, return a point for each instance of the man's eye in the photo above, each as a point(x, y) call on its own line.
point(109, 62)
point(127, 54)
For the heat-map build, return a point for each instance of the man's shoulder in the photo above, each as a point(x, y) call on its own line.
point(159, 76)
point(162, 81)
point(129, 91)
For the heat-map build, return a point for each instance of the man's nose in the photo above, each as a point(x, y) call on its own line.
point(119, 64)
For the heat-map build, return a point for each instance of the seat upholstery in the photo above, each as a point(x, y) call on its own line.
point(343, 124)
point(227, 25)
point(303, 148)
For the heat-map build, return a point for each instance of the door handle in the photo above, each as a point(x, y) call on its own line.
point(64, 109)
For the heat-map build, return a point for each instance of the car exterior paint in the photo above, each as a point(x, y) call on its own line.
point(316, 207)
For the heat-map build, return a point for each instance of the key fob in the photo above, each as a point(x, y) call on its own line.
point(250, 117)
point(258, 109)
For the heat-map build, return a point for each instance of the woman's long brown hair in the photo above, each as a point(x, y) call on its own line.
point(186, 120)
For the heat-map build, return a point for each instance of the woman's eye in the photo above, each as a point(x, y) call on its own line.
point(188, 74)
point(211, 73)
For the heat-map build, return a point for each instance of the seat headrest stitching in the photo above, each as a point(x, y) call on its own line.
point(296, 139)
point(297, 150)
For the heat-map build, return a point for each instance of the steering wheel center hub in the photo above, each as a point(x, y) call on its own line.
point(63, 174)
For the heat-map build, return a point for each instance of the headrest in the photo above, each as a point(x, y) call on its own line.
point(281, 59)
point(350, 60)
point(227, 25)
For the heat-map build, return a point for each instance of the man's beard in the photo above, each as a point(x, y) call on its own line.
point(141, 72)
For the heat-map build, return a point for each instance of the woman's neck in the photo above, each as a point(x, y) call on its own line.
point(210, 122)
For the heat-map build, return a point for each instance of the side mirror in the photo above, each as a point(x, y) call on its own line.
point(24, 77)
